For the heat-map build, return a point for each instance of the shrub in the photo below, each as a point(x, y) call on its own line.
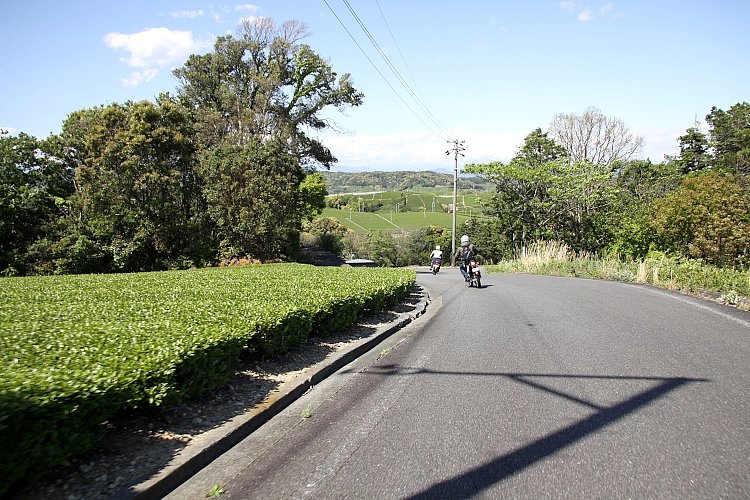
point(76, 350)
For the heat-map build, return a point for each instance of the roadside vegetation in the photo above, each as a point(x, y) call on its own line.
point(727, 285)
point(77, 350)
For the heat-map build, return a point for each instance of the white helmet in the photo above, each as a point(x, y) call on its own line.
point(464, 240)
point(437, 247)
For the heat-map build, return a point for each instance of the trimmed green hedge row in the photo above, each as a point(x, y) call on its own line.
point(75, 350)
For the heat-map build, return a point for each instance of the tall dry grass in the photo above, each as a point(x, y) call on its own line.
point(557, 259)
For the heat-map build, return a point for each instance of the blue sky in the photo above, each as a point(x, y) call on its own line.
point(487, 72)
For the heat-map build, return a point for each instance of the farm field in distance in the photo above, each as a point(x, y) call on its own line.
point(405, 210)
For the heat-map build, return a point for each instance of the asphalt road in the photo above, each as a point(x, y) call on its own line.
point(530, 387)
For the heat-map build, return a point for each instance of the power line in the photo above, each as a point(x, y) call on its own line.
point(403, 59)
point(393, 70)
point(417, 97)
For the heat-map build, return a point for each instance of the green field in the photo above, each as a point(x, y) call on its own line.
point(362, 222)
point(408, 210)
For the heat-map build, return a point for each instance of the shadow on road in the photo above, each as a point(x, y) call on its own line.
point(477, 479)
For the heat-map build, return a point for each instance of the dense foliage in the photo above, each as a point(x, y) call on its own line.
point(76, 350)
point(184, 181)
point(696, 205)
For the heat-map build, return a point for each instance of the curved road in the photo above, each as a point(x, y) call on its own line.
point(531, 387)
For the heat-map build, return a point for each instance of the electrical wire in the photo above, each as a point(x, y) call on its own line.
point(417, 98)
point(393, 69)
point(406, 86)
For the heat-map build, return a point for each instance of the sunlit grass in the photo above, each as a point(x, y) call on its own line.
point(557, 259)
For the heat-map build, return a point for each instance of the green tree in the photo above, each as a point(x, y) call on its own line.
point(326, 225)
point(265, 85)
point(254, 199)
point(255, 97)
point(327, 233)
point(492, 245)
point(520, 205)
point(730, 138)
point(418, 245)
point(539, 149)
point(639, 184)
point(313, 195)
point(708, 218)
point(581, 195)
point(382, 248)
point(541, 194)
point(138, 197)
point(694, 151)
point(34, 188)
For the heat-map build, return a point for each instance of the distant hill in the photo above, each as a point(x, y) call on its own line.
point(354, 182)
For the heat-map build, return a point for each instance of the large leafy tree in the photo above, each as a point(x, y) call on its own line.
point(582, 195)
point(730, 138)
point(34, 188)
point(138, 197)
point(265, 85)
point(707, 217)
point(639, 183)
point(694, 151)
point(256, 98)
point(254, 199)
point(520, 206)
point(541, 194)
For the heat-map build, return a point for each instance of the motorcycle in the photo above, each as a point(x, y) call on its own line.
point(435, 267)
point(475, 274)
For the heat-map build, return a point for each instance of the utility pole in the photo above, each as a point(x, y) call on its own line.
point(458, 147)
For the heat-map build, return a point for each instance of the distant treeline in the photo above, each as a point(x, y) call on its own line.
point(346, 182)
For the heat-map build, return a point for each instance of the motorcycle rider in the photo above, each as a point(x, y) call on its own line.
point(436, 256)
point(464, 255)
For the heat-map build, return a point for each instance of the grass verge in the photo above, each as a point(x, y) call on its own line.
point(729, 286)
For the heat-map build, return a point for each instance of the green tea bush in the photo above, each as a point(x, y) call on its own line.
point(76, 350)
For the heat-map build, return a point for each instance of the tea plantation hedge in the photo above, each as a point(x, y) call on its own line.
point(76, 350)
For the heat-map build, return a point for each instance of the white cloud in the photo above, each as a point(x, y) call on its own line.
point(152, 50)
point(585, 15)
point(569, 5)
point(494, 22)
point(606, 9)
point(192, 14)
point(137, 77)
point(247, 6)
